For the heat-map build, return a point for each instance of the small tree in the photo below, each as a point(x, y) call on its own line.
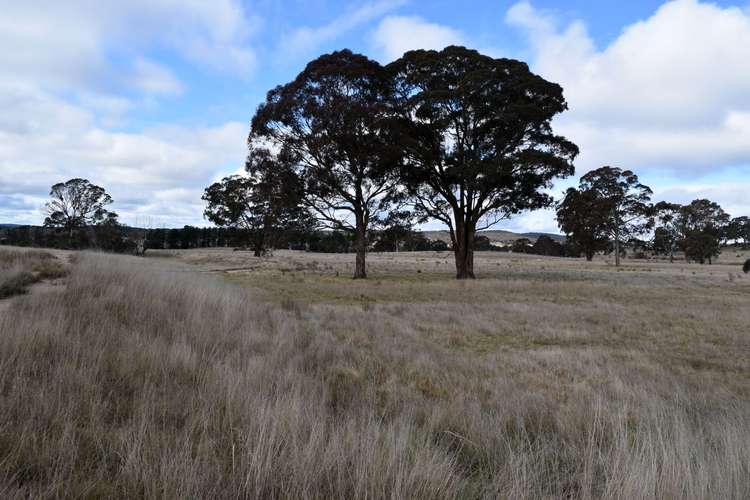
point(76, 204)
point(668, 233)
point(544, 245)
point(482, 243)
point(624, 203)
point(702, 225)
point(738, 230)
point(583, 216)
point(397, 230)
point(331, 120)
point(265, 202)
point(477, 141)
point(521, 245)
point(700, 245)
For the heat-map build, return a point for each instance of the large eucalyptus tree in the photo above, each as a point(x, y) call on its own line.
point(476, 139)
point(332, 121)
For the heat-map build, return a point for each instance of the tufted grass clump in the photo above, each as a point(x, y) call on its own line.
point(20, 268)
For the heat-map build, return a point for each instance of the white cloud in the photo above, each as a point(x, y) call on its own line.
point(398, 34)
point(69, 45)
point(307, 39)
point(669, 95)
point(671, 91)
point(153, 78)
point(732, 196)
point(71, 70)
point(159, 171)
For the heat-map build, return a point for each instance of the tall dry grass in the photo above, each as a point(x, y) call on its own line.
point(142, 380)
point(21, 268)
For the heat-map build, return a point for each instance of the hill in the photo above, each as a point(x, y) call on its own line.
point(497, 235)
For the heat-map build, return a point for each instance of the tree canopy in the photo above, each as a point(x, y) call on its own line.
point(584, 216)
point(702, 224)
point(738, 230)
point(266, 201)
point(76, 204)
point(477, 144)
point(331, 121)
point(625, 203)
point(667, 234)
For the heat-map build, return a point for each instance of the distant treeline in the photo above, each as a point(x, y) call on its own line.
point(125, 239)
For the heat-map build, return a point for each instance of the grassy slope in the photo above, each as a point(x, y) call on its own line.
point(545, 379)
point(20, 268)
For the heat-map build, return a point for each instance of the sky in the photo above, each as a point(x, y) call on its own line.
point(152, 99)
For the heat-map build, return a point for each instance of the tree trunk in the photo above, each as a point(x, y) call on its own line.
point(589, 256)
point(617, 239)
point(463, 250)
point(260, 240)
point(360, 246)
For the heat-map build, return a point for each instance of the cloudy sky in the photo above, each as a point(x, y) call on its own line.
point(152, 98)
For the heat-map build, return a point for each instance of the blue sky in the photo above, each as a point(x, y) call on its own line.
point(152, 98)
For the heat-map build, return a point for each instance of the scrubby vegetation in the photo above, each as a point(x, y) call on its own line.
point(139, 381)
point(19, 269)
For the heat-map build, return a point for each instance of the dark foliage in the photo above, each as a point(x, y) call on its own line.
point(746, 266)
point(16, 284)
point(583, 216)
point(668, 233)
point(482, 243)
point(77, 204)
point(702, 225)
point(738, 230)
point(544, 245)
point(267, 202)
point(700, 245)
point(331, 122)
point(625, 204)
point(477, 142)
point(329, 242)
point(521, 245)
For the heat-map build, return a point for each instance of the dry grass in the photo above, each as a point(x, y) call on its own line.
point(547, 379)
point(21, 268)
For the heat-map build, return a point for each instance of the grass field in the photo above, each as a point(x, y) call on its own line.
point(20, 269)
point(214, 374)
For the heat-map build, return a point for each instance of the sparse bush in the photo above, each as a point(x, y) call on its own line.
point(746, 266)
point(15, 283)
point(545, 245)
point(19, 269)
point(521, 245)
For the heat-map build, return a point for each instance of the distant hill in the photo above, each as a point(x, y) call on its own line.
point(497, 236)
point(8, 226)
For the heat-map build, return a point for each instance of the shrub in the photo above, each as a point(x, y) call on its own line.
point(746, 267)
point(545, 245)
point(521, 245)
point(48, 269)
point(18, 270)
point(15, 284)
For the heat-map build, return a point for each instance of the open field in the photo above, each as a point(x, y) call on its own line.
point(211, 373)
